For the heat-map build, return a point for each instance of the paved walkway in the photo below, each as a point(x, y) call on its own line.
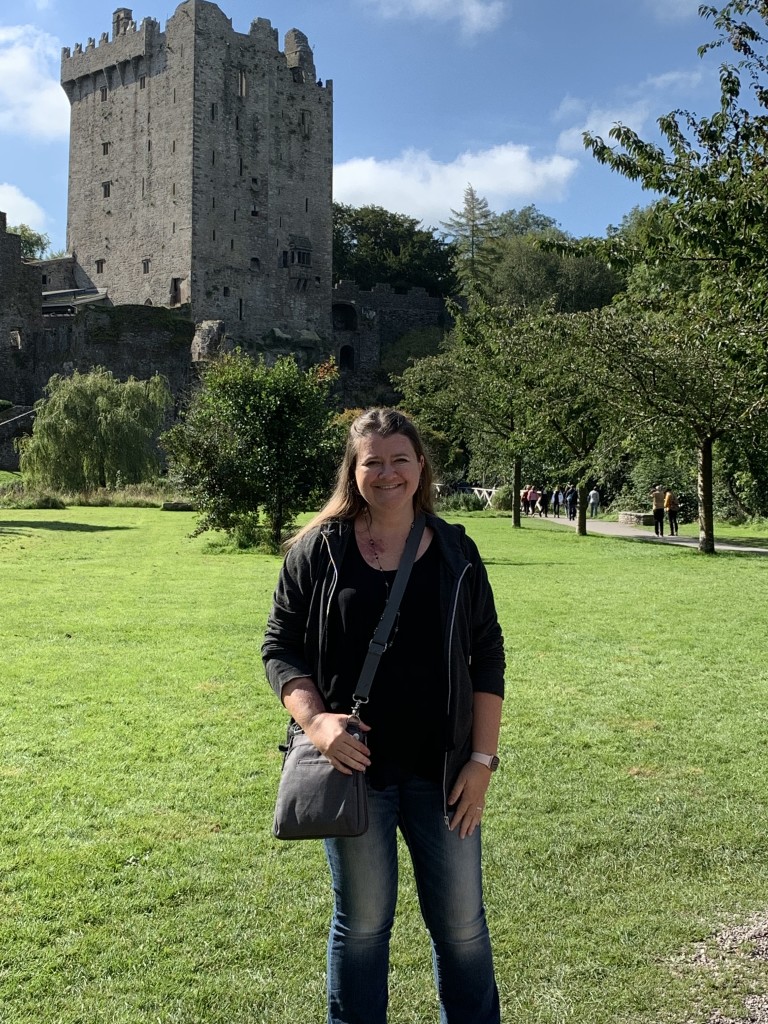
point(639, 533)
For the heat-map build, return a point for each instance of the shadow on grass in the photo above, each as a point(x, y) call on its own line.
point(19, 525)
point(722, 547)
point(517, 561)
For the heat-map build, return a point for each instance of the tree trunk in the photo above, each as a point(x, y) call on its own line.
point(581, 513)
point(706, 516)
point(517, 486)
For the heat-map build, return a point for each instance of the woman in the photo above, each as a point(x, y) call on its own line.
point(432, 723)
point(671, 505)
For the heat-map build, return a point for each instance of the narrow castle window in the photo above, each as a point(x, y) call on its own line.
point(149, 145)
point(213, 202)
point(143, 187)
point(306, 120)
point(103, 93)
point(241, 167)
point(231, 243)
point(241, 309)
point(306, 206)
point(173, 189)
point(106, 187)
point(105, 149)
point(143, 82)
point(242, 85)
point(45, 279)
point(254, 211)
point(213, 234)
point(213, 156)
point(255, 263)
point(237, 123)
point(285, 257)
point(234, 215)
point(173, 228)
point(173, 146)
point(99, 266)
point(213, 111)
point(226, 291)
point(145, 264)
point(174, 95)
point(149, 116)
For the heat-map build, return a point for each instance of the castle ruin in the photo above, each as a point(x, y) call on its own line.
point(200, 193)
point(200, 173)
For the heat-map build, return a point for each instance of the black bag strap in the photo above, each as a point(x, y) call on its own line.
point(380, 640)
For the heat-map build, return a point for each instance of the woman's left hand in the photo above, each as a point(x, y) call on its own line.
point(469, 797)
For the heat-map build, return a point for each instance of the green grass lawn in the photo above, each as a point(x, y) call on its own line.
point(139, 881)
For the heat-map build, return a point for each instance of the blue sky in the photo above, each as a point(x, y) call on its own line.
point(429, 95)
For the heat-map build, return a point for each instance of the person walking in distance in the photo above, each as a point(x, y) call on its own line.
point(657, 500)
point(594, 502)
point(671, 507)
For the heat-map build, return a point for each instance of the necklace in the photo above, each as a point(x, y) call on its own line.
point(375, 553)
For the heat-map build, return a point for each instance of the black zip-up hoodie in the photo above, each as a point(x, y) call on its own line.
point(473, 647)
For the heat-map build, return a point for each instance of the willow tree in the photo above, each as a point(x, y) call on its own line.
point(92, 430)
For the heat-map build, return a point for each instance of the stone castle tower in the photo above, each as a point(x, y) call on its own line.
point(200, 172)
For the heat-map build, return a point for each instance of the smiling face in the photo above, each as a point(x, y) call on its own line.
point(387, 472)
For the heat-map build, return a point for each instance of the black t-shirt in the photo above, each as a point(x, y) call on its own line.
point(407, 710)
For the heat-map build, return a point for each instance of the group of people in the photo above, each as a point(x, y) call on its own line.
point(664, 501)
point(538, 500)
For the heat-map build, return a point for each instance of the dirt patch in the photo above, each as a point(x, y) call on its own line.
point(737, 958)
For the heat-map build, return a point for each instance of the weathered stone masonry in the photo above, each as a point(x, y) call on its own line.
point(201, 171)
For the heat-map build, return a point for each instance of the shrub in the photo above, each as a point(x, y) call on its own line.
point(504, 498)
point(460, 501)
point(17, 496)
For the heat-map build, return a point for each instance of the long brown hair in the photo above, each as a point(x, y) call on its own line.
point(347, 502)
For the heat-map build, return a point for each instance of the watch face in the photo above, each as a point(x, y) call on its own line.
point(494, 763)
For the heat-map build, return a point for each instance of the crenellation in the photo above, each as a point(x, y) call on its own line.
point(128, 43)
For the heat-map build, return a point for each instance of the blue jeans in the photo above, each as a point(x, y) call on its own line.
point(449, 884)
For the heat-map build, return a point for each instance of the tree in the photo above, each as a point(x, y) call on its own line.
point(516, 387)
point(698, 358)
point(526, 221)
point(713, 176)
point(683, 373)
point(34, 244)
point(373, 246)
point(92, 430)
point(253, 437)
point(472, 229)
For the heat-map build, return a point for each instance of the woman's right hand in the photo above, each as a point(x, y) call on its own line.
point(329, 734)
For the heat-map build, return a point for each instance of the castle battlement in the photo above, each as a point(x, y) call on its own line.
point(129, 42)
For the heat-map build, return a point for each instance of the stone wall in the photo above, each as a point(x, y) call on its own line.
point(20, 298)
point(13, 424)
point(128, 340)
point(366, 322)
point(200, 172)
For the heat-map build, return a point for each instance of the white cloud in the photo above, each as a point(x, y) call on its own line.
point(20, 208)
point(674, 10)
point(32, 102)
point(600, 121)
point(643, 102)
point(416, 184)
point(474, 16)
